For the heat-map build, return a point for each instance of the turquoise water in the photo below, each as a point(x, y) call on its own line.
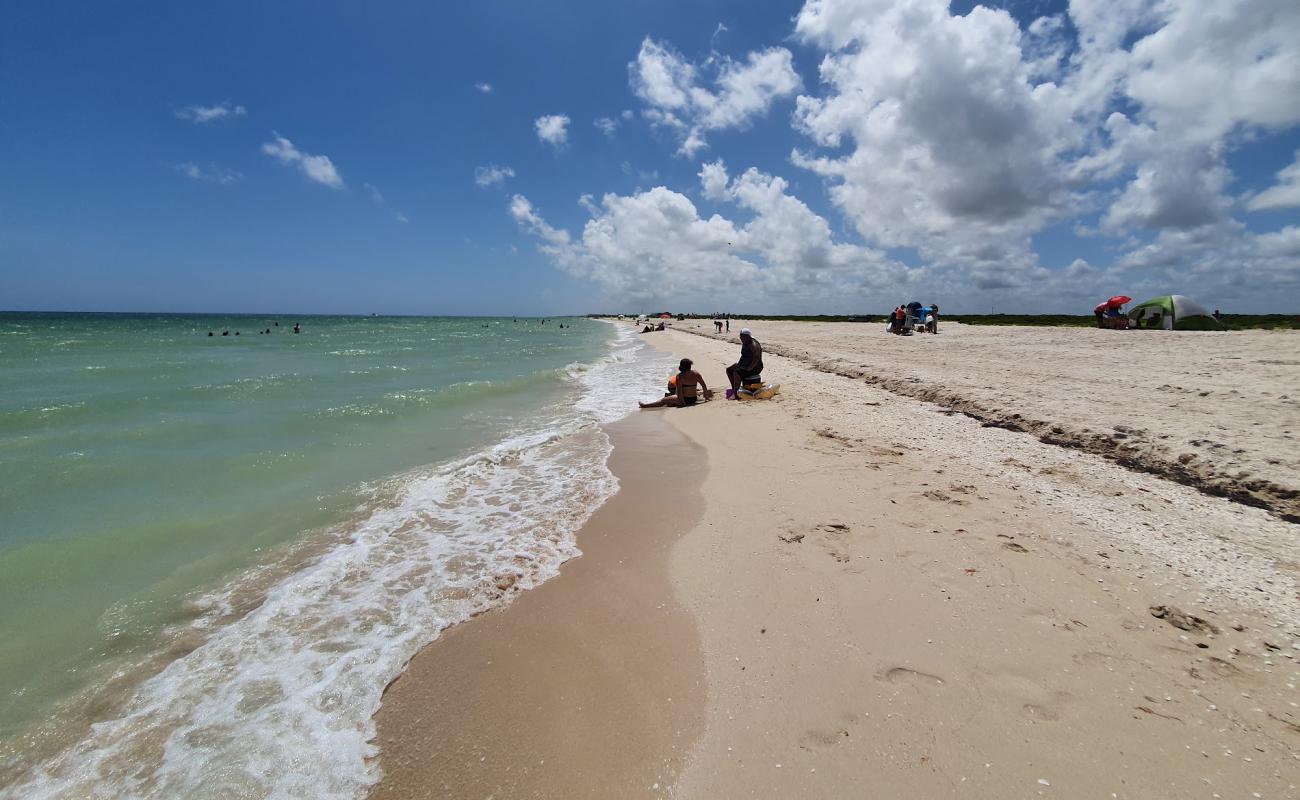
point(144, 464)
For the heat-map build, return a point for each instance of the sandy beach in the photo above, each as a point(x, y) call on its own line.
point(883, 593)
point(590, 685)
point(1220, 411)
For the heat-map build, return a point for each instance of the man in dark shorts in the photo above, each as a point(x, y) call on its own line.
point(691, 388)
point(750, 365)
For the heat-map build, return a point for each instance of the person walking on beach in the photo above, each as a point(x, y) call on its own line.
point(750, 365)
point(690, 388)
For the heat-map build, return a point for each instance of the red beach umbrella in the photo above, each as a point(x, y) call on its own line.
point(1117, 301)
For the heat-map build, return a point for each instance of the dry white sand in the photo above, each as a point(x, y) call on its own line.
point(896, 601)
point(1218, 410)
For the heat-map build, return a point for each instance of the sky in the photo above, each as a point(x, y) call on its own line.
point(830, 156)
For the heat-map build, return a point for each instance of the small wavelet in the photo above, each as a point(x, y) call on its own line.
point(272, 690)
point(297, 680)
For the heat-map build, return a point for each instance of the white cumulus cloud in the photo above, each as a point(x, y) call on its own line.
point(200, 115)
point(947, 133)
point(966, 141)
point(654, 245)
point(966, 136)
point(317, 168)
point(553, 129)
point(1283, 194)
point(523, 212)
point(492, 175)
point(684, 100)
point(213, 174)
point(484, 87)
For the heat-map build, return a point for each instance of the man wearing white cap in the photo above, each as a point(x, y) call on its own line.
point(749, 368)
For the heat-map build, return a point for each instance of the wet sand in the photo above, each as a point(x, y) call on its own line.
point(587, 686)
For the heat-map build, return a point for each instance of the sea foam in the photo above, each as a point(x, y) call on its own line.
point(279, 702)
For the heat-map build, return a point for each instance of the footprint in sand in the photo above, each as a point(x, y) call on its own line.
point(941, 496)
point(913, 677)
point(837, 438)
point(1036, 701)
point(1224, 669)
point(1044, 713)
point(835, 735)
point(813, 739)
point(1180, 619)
point(830, 536)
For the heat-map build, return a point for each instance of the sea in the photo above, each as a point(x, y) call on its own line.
point(221, 539)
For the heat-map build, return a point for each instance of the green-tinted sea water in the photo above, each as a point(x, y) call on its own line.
point(144, 463)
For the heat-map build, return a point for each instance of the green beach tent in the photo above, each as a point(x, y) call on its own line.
point(1177, 313)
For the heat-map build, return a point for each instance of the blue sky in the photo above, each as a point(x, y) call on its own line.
point(321, 157)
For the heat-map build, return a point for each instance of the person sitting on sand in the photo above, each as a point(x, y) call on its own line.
point(690, 389)
point(896, 318)
point(750, 365)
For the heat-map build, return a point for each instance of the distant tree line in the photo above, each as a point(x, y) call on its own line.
point(1230, 321)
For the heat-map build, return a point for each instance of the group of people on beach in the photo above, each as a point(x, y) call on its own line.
point(688, 387)
point(905, 318)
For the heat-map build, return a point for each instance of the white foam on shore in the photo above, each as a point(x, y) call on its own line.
point(279, 703)
point(632, 371)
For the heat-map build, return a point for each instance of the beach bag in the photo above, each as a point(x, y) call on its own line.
point(765, 391)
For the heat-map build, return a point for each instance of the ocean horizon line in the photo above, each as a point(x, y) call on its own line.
point(304, 314)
